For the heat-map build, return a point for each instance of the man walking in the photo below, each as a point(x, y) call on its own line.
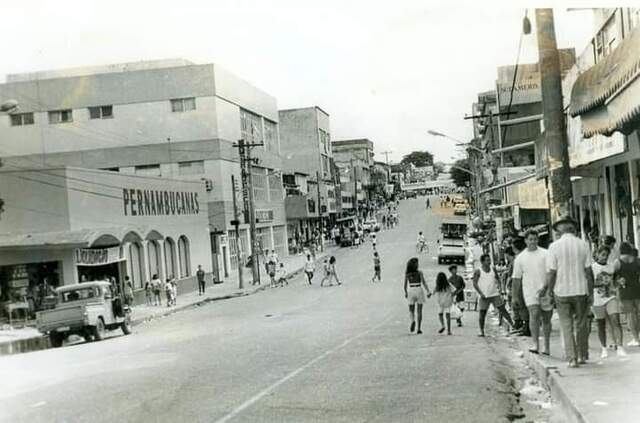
point(485, 282)
point(570, 280)
point(518, 307)
point(458, 295)
point(529, 274)
point(201, 283)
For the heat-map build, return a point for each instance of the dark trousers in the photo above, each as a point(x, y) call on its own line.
point(573, 312)
point(201, 285)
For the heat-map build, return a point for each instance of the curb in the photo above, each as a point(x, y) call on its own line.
point(548, 375)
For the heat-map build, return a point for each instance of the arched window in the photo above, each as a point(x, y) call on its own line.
point(184, 256)
point(170, 258)
point(153, 251)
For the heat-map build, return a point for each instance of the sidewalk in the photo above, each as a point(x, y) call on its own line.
point(603, 390)
point(15, 341)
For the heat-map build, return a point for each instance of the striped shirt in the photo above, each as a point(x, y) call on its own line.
point(569, 256)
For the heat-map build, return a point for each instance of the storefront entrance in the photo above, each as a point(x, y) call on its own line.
point(27, 288)
point(106, 264)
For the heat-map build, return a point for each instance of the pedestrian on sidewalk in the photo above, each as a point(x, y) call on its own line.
point(201, 282)
point(570, 280)
point(281, 275)
point(627, 272)
point(530, 275)
point(148, 292)
point(174, 290)
point(606, 307)
point(444, 293)
point(271, 271)
point(458, 295)
point(518, 306)
point(309, 268)
point(128, 292)
point(486, 283)
point(157, 290)
point(376, 268)
point(414, 283)
point(168, 289)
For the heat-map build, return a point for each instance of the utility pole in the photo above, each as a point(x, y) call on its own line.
point(320, 212)
point(355, 191)
point(244, 150)
point(553, 114)
point(236, 224)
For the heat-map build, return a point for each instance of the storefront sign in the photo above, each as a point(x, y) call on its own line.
point(138, 202)
point(583, 151)
point(533, 195)
point(526, 88)
point(97, 256)
point(265, 215)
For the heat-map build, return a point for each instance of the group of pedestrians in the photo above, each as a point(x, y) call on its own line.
point(580, 284)
point(328, 269)
point(156, 288)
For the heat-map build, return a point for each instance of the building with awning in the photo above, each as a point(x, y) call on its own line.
point(607, 95)
point(602, 96)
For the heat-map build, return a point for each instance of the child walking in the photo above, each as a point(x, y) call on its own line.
point(148, 293)
point(444, 296)
point(376, 268)
point(281, 275)
point(606, 308)
point(331, 272)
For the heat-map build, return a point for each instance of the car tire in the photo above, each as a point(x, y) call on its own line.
point(56, 339)
point(99, 330)
point(126, 325)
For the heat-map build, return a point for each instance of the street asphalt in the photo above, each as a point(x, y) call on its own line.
point(295, 354)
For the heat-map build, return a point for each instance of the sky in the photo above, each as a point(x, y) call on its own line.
point(387, 71)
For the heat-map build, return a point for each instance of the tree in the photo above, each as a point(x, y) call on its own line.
point(460, 177)
point(438, 167)
point(418, 158)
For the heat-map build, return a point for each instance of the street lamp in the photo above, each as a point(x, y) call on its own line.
point(458, 142)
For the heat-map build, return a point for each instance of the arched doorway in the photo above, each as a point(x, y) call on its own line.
point(153, 253)
point(170, 257)
point(184, 256)
point(136, 259)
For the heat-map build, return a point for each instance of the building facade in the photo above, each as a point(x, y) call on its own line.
point(167, 118)
point(354, 158)
point(305, 145)
point(66, 225)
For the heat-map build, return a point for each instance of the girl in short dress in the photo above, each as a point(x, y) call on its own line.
point(444, 296)
point(413, 285)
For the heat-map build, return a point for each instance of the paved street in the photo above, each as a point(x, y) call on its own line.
point(300, 353)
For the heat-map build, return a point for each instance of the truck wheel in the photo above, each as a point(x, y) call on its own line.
point(126, 326)
point(56, 339)
point(99, 330)
point(88, 335)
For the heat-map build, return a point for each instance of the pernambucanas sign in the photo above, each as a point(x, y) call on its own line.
point(97, 256)
point(139, 202)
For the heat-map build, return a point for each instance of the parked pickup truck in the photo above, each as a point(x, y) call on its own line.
point(87, 309)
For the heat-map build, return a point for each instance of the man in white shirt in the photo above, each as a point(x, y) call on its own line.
point(529, 273)
point(570, 280)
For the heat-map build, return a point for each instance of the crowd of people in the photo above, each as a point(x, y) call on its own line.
point(581, 284)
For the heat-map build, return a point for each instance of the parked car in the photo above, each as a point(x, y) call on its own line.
point(371, 225)
point(410, 194)
point(87, 309)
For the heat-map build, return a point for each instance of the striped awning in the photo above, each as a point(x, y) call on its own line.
point(607, 95)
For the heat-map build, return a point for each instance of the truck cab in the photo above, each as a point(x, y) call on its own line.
point(87, 309)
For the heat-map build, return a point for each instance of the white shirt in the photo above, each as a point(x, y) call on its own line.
point(603, 283)
point(530, 266)
point(569, 256)
point(309, 266)
point(420, 239)
point(476, 253)
point(488, 283)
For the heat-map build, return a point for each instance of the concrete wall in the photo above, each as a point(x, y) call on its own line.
point(299, 140)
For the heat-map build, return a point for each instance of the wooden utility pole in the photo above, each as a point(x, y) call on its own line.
point(321, 240)
point(559, 173)
point(236, 224)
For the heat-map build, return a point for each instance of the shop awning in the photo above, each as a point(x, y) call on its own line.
point(52, 240)
point(607, 96)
